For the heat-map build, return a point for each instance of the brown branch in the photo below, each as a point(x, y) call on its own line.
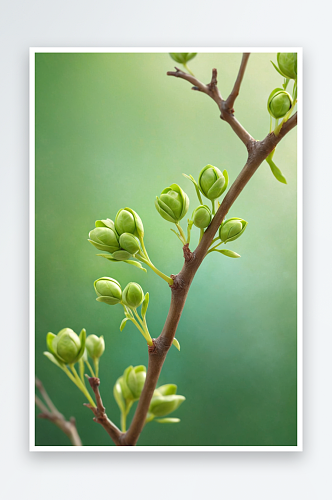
point(236, 89)
point(100, 415)
point(257, 152)
point(52, 414)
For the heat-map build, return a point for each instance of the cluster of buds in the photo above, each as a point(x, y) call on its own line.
point(164, 401)
point(120, 238)
point(123, 240)
point(128, 389)
point(280, 103)
point(108, 290)
point(67, 348)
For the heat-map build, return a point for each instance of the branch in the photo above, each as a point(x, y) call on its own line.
point(236, 89)
point(257, 152)
point(52, 414)
point(100, 415)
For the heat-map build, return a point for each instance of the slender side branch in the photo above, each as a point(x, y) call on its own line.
point(51, 413)
point(100, 415)
point(236, 89)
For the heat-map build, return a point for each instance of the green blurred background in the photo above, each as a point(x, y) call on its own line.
point(112, 130)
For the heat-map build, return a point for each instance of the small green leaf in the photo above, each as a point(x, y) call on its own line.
point(81, 369)
point(228, 253)
point(176, 343)
point(190, 177)
point(49, 341)
point(277, 69)
point(145, 304)
point(132, 262)
point(168, 420)
point(123, 323)
point(276, 171)
point(53, 359)
point(118, 396)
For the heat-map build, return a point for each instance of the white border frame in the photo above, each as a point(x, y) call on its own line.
point(117, 449)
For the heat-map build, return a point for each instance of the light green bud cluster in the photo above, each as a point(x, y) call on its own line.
point(164, 401)
point(127, 390)
point(211, 182)
point(67, 347)
point(172, 204)
point(232, 229)
point(279, 103)
point(129, 386)
point(109, 291)
point(119, 238)
point(182, 57)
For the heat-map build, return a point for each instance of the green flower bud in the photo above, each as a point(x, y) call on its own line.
point(163, 405)
point(95, 346)
point(108, 291)
point(66, 346)
point(133, 295)
point(279, 103)
point(211, 182)
point(173, 203)
point(129, 243)
point(135, 379)
point(202, 216)
point(104, 236)
point(182, 57)
point(128, 221)
point(287, 62)
point(118, 395)
point(232, 229)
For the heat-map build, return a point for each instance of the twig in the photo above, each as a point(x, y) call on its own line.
point(52, 414)
point(211, 89)
point(236, 89)
point(100, 415)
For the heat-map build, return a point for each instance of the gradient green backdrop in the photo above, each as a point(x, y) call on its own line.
point(112, 130)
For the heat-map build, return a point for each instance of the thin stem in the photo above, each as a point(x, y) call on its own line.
point(96, 364)
point(201, 234)
point(145, 334)
point(145, 259)
point(123, 421)
point(213, 207)
point(183, 236)
point(189, 227)
point(100, 415)
point(153, 267)
point(91, 370)
point(53, 415)
point(81, 386)
point(211, 249)
point(236, 89)
point(186, 67)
